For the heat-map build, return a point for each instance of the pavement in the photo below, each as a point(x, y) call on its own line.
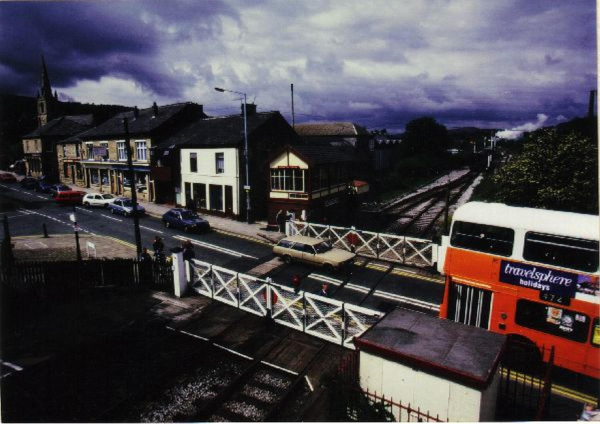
point(257, 230)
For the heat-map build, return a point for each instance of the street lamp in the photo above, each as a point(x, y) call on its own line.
point(247, 186)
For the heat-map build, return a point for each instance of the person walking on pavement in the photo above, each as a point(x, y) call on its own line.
point(324, 290)
point(145, 256)
point(157, 245)
point(280, 219)
point(188, 250)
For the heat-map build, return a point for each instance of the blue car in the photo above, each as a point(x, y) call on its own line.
point(187, 220)
point(124, 206)
point(43, 187)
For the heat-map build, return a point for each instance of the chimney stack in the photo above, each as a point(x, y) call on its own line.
point(250, 109)
point(155, 109)
point(136, 112)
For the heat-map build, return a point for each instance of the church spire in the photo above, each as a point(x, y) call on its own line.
point(46, 88)
point(46, 102)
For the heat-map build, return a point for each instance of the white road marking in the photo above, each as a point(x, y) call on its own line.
point(68, 224)
point(151, 229)
point(325, 279)
point(83, 210)
point(13, 366)
point(404, 299)
point(215, 247)
point(110, 217)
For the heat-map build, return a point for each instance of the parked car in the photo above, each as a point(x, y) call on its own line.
point(29, 183)
point(98, 199)
point(124, 206)
point(187, 220)
point(313, 251)
point(71, 197)
point(5, 177)
point(43, 186)
point(56, 188)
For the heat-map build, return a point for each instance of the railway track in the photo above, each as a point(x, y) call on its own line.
point(253, 381)
point(418, 214)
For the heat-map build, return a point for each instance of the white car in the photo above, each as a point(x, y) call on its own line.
point(98, 199)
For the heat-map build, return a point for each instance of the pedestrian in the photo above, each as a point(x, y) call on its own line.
point(158, 245)
point(145, 256)
point(188, 250)
point(324, 290)
point(590, 413)
point(280, 219)
point(296, 283)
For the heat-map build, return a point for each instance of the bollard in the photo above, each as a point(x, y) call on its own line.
point(45, 230)
point(179, 274)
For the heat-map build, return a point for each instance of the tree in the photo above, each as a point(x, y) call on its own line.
point(425, 135)
point(556, 170)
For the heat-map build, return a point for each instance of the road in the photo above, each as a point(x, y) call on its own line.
point(375, 285)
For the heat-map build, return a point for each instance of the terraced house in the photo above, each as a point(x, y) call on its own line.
point(104, 155)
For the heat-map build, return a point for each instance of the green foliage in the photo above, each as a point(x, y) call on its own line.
point(425, 135)
point(555, 171)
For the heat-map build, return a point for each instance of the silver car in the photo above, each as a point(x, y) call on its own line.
point(313, 251)
point(98, 199)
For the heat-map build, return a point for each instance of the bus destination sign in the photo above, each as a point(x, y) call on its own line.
point(553, 285)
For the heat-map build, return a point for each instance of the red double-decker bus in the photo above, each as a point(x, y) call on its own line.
point(529, 273)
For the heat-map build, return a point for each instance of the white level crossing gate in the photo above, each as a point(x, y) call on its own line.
point(390, 247)
point(329, 319)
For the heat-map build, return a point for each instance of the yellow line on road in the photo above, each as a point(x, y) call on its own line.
point(556, 389)
point(229, 233)
point(384, 268)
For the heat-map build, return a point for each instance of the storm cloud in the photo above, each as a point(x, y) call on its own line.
point(378, 63)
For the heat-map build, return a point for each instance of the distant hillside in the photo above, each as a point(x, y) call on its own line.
point(18, 116)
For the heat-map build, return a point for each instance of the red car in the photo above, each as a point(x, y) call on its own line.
point(5, 177)
point(69, 197)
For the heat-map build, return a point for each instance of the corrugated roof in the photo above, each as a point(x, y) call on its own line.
point(146, 121)
point(217, 131)
point(340, 129)
point(63, 126)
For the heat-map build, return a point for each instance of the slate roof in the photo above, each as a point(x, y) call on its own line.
point(63, 126)
point(217, 131)
point(145, 123)
point(459, 352)
point(339, 129)
point(324, 154)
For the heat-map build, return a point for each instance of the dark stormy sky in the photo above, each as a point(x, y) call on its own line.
point(380, 63)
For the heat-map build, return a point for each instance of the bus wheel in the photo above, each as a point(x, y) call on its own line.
point(522, 355)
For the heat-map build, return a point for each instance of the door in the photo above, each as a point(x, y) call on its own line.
point(187, 187)
point(228, 200)
point(470, 305)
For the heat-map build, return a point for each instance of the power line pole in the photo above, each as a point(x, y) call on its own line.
point(130, 171)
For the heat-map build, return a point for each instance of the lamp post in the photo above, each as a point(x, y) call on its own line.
point(247, 186)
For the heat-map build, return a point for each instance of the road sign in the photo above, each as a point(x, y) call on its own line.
point(247, 187)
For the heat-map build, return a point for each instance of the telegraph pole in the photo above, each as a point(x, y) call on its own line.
point(134, 212)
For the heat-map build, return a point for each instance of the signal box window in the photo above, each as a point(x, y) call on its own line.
point(483, 238)
point(552, 320)
point(566, 252)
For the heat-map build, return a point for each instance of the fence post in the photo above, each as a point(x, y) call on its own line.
point(377, 245)
point(180, 282)
point(404, 251)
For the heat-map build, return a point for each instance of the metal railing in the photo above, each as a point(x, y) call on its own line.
point(390, 247)
point(328, 319)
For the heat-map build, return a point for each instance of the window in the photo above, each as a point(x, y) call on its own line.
point(219, 163)
point(141, 150)
point(104, 150)
point(300, 247)
point(121, 152)
point(193, 162)
point(64, 150)
point(89, 149)
point(483, 238)
point(199, 192)
point(77, 150)
point(566, 252)
point(65, 169)
point(595, 340)
point(287, 179)
point(552, 320)
point(95, 177)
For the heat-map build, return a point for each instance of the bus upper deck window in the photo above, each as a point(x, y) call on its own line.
point(566, 252)
point(483, 238)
